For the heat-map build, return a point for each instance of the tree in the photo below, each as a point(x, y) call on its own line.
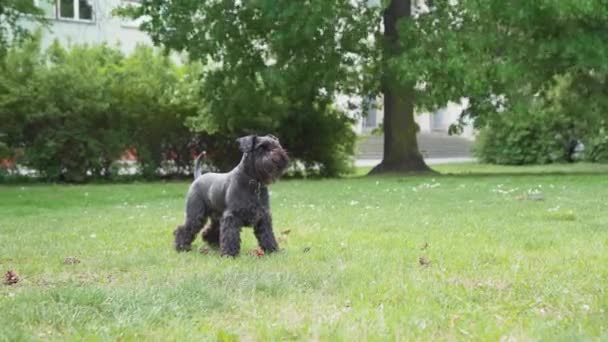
point(400, 145)
point(285, 60)
point(510, 56)
point(12, 13)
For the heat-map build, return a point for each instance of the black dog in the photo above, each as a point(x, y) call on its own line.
point(234, 199)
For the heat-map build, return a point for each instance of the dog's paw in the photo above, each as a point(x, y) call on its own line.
point(183, 248)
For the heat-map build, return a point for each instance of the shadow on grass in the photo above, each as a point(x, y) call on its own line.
point(474, 170)
point(520, 174)
point(457, 170)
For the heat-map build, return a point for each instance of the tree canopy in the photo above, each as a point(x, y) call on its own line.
point(504, 54)
point(277, 59)
point(270, 57)
point(12, 13)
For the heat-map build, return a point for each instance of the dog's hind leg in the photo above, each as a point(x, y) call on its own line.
point(196, 216)
point(211, 233)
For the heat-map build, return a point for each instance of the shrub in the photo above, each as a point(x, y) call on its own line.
point(70, 114)
point(323, 141)
point(319, 143)
point(549, 129)
point(63, 113)
point(154, 94)
point(316, 134)
point(596, 146)
point(74, 112)
point(527, 138)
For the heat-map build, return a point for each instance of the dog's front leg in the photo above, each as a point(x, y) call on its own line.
point(230, 235)
point(265, 235)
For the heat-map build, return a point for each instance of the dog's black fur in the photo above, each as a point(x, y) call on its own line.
point(234, 199)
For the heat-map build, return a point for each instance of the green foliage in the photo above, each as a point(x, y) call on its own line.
point(322, 140)
point(152, 92)
point(62, 110)
point(596, 148)
point(548, 129)
point(12, 16)
point(527, 138)
point(72, 125)
point(512, 50)
point(506, 56)
point(276, 68)
point(71, 113)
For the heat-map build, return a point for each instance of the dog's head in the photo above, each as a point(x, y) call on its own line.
point(264, 157)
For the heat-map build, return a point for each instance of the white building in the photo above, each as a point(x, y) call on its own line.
point(90, 22)
point(435, 122)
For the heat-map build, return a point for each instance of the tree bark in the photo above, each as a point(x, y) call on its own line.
point(401, 152)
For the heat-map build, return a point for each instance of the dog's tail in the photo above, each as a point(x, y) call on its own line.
point(197, 165)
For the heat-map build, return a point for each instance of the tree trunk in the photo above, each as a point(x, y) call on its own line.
point(400, 146)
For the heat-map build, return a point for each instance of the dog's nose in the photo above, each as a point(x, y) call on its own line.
point(280, 157)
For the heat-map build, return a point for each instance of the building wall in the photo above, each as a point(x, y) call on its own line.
point(103, 27)
point(438, 121)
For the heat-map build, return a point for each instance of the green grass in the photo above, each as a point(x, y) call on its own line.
point(519, 253)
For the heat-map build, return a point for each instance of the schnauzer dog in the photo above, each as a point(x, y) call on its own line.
point(234, 199)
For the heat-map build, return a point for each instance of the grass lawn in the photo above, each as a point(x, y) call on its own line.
point(484, 253)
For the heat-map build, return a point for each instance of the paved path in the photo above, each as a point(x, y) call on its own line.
point(431, 145)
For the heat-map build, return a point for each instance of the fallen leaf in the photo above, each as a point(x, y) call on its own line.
point(424, 262)
point(258, 252)
point(71, 260)
point(11, 278)
point(286, 232)
point(453, 320)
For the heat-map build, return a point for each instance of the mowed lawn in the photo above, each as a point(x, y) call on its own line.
point(486, 253)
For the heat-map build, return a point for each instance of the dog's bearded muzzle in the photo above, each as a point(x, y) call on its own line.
point(272, 165)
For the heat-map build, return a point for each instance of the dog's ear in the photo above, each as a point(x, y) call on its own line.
point(272, 137)
point(246, 143)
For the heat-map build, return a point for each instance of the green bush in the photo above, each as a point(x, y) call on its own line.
point(596, 146)
point(323, 141)
point(541, 138)
point(527, 138)
point(74, 112)
point(155, 97)
point(316, 134)
point(70, 114)
point(62, 113)
point(549, 129)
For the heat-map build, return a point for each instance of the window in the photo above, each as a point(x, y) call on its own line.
point(86, 10)
point(75, 9)
point(67, 9)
